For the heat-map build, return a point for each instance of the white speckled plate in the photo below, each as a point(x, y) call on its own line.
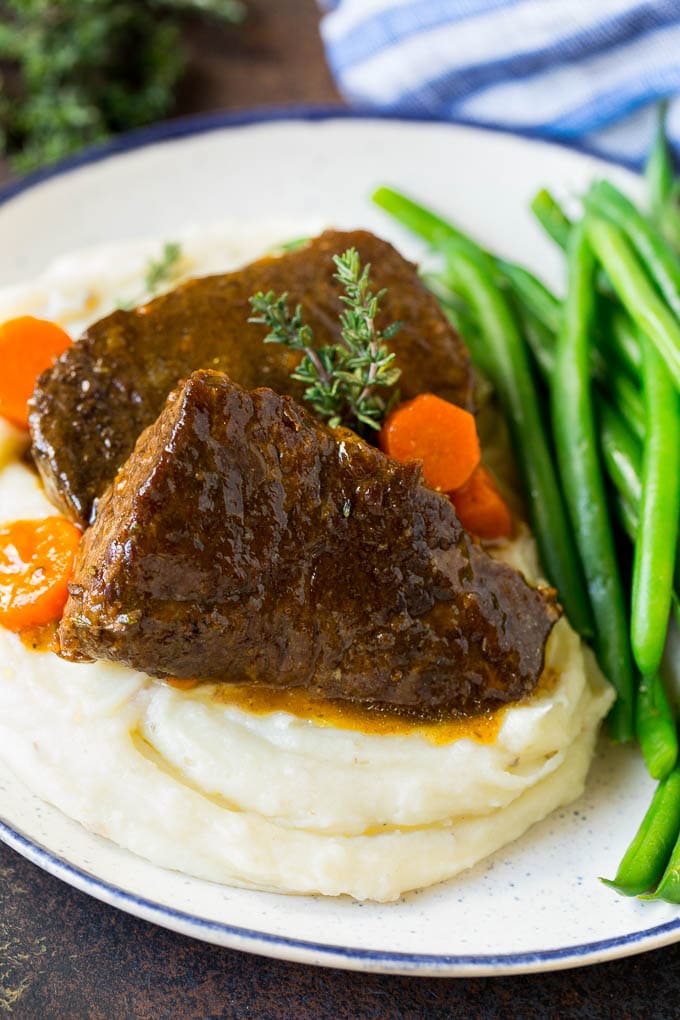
point(536, 905)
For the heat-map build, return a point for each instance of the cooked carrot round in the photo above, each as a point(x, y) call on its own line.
point(36, 560)
point(27, 347)
point(441, 435)
point(480, 507)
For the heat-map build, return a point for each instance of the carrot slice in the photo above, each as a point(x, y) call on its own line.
point(441, 435)
point(27, 347)
point(480, 507)
point(36, 560)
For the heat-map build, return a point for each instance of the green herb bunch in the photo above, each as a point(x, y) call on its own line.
point(72, 72)
point(343, 380)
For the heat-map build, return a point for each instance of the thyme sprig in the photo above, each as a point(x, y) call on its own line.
point(342, 380)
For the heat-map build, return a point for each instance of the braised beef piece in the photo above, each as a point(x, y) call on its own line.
point(243, 541)
point(91, 406)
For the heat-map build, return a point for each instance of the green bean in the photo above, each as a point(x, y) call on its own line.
point(651, 246)
point(533, 293)
point(453, 303)
point(655, 727)
point(645, 860)
point(511, 375)
point(626, 514)
point(659, 173)
point(552, 217)
point(627, 397)
point(541, 314)
point(609, 366)
point(662, 187)
point(438, 232)
point(616, 337)
point(622, 457)
point(424, 222)
point(668, 888)
point(540, 340)
point(461, 318)
point(620, 337)
point(635, 291)
point(659, 515)
point(458, 313)
point(577, 455)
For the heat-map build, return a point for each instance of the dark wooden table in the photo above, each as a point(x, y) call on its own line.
point(63, 955)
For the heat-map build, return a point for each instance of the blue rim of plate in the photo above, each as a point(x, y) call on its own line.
point(247, 939)
point(327, 954)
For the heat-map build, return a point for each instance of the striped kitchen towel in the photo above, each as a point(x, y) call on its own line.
point(586, 71)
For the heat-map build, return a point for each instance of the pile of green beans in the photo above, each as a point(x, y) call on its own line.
point(590, 385)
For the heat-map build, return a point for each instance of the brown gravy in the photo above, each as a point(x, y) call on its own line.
point(351, 716)
point(40, 639)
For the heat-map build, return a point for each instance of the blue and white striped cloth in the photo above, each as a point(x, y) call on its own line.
point(586, 71)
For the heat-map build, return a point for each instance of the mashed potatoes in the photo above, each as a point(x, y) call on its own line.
point(202, 781)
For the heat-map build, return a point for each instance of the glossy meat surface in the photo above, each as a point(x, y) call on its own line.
point(244, 541)
point(91, 406)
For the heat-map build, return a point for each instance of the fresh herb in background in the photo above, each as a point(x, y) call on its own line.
point(73, 72)
point(342, 379)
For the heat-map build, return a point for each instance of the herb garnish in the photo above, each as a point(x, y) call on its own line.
point(341, 379)
point(157, 273)
point(161, 270)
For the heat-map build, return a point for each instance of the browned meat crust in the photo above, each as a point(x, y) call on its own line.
point(243, 541)
point(89, 409)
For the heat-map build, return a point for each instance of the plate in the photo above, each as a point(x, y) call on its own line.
point(535, 905)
